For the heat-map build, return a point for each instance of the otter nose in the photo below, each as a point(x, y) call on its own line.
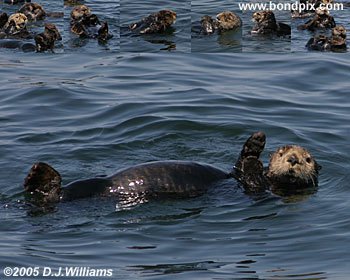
point(293, 160)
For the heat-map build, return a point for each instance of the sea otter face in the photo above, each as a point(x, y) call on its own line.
point(339, 31)
point(264, 16)
point(80, 12)
point(228, 20)
point(168, 16)
point(293, 165)
point(322, 12)
point(16, 23)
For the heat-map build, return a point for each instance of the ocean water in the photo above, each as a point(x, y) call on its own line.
point(92, 115)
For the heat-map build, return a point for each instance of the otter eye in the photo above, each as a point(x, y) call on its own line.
point(308, 159)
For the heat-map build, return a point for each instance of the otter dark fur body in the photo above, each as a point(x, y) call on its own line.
point(321, 20)
point(335, 43)
point(87, 25)
point(154, 179)
point(290, 168)
point(224, 21)
point(155, 23)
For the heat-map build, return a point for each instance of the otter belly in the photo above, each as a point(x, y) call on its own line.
point(154, 179)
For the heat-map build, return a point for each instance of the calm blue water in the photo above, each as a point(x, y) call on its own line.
point(89, 116)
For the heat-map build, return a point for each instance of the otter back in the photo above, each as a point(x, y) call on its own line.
point(154, 179)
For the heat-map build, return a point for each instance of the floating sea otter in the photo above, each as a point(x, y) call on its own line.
point(155, 23)
point(291, 168)
point(336, 43)
point(87, 25)
point(266, 24)
point(33, 11)
point(15, 27)
point(322, 19)
point(224, 21)
point(46, 41)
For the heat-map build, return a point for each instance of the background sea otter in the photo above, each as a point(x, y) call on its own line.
point(266, 24)
point(155, 23)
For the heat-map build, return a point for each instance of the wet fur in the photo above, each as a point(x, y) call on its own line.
point(336, 43)
point(84, 24)
point(321, 20)
point(293, 165)
point(228, 20)
point(266, 24)
point(155, 23)
point(291, 168)
point(46, 41)
point(33, 11)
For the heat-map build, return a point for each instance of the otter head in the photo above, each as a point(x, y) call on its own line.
point(292, 167)
point(43, 181)
point(339, 30)
point(228, 20)
point(52, 31)
point(80, 12)
point(264, 16)
point(322, 12)
point(16, 23)
point(168, 16)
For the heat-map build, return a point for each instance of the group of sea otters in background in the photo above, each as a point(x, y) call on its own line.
point(87, 25)
point(322, 21)
point(83, 23)
point(266, 24)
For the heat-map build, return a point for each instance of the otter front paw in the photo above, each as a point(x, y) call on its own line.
point(254, 145)
point(41, 176)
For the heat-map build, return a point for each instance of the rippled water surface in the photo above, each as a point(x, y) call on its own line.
point(89, 116)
